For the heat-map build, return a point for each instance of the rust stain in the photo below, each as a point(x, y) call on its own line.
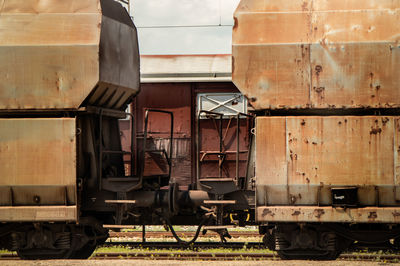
point(293, 199)
point(319, 89)
point(319, 213)
point(371, 76)
point(267, 212)
point(375, 131)
point(385, 120)
point(372, 215)
point(296, 213)
point(318, 70)
point(396, 214)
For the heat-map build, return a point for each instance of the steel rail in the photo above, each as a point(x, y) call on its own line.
point(171, 255)
point(165, 234)
point(193, 246)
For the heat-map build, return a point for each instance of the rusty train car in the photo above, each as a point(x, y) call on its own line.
point(323, 76)
point(310, 154)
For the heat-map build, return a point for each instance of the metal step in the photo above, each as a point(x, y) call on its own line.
point(120, 201)
point(117, 226)
point(219, 202)
point(216, 227)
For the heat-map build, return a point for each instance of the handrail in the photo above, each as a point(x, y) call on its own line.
point(146, 120)
point(100, 112)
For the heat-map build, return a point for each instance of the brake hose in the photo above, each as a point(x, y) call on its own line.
point(180, 241)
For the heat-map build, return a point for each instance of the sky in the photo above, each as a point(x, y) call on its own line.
point(184, 26)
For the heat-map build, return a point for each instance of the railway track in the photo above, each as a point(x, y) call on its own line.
point(165, 234)
point(194, 246)
point(203, 256)
point(173, 250)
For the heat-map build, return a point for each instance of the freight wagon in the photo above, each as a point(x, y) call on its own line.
point(323, 76)
point(310, 154)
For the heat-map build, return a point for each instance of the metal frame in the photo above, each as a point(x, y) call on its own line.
point(221, 154)
point(103, 112)
point(169, 158)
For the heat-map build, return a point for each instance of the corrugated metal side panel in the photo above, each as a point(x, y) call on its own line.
point(300, 158)
point(273, 76)
point(48, 53)
point(43, 77)
point(54, 53)
point(49, 6)
point(49, 29)
point(38, 158)
point(352, 61)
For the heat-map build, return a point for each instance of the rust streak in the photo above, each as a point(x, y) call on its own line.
point(319, 213)
point(375, 131)
point(372, 215)
point(268, 212)
point(396, 214)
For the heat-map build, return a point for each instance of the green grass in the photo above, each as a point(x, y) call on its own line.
point(122, 249)
point(4, 251)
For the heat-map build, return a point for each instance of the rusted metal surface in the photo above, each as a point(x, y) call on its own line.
point(57, 54)
point(38, 161)
point(180, 98)
point(212, 153)
point(169, 97)
point(299, 159)
point(317, 54)
point(328, 214)
point(38, 214)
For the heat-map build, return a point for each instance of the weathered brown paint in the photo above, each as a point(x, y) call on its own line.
point(317, 54)
point(180, 98)
point(38, 161)
point(54, 53)
point(300, 158)
point(169, 97)
point(327, 214)
point(38, 214)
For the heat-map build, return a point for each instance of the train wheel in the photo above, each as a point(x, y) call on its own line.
point(58, 241)
point(294, 242)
